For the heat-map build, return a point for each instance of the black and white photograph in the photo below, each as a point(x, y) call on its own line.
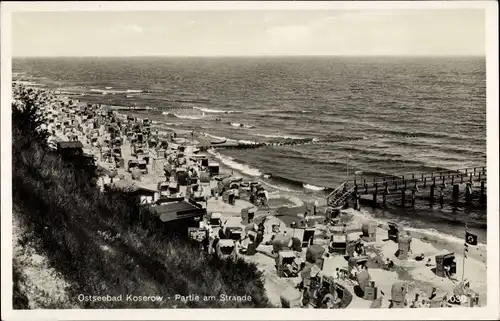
point(249, 155)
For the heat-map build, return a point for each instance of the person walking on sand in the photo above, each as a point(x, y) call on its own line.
point(315, 208)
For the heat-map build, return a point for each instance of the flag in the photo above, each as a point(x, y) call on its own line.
point(470, 238)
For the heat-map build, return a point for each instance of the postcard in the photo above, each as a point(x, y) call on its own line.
point(249, 160)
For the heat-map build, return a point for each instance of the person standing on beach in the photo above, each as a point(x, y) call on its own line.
point(315, 207)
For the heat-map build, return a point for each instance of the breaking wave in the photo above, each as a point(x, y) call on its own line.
point(166, 113)
point(216, 111)
point(230, 162)
point(279, 136)
point(239, 125)
point(313, 187)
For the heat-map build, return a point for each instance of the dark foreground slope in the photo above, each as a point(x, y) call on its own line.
point(97, 242)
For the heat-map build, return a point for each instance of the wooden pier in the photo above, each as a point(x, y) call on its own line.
point(409, 185)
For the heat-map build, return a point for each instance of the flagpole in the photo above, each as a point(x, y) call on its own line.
point(465, 248)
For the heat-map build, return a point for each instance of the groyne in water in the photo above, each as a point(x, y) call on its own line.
point(252, 145)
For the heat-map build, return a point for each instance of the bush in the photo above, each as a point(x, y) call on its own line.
point(96, 241)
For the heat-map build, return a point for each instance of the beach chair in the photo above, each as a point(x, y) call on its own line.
point(398, 294)
point(394, 231)
point(285, 264)
point(446, 265)
point(338, 244)
point(369, 230)
point(404, 246)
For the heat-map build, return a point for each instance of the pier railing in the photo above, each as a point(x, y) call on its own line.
point(412, 181)
point(335, 192)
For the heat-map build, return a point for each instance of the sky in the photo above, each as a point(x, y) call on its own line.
point(431, 32)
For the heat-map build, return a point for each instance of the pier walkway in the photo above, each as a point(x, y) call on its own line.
point(413, 182)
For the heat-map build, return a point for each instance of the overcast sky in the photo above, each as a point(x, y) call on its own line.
point(243, 33)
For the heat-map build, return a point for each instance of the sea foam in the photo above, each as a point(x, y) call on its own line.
point(230, 162)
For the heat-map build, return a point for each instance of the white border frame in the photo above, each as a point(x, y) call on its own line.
point(491, 27)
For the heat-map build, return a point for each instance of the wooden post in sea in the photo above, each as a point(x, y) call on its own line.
point(413, 196)
point(441, 196)
point(456, 193)
point(356, 198)
point(385, 193)
point(403, 196)
point(374, 202)
point(431, 193)
point(468, 189)
point(425, 182)
point(483, 196)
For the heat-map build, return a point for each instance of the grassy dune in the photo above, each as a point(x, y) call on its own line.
point(98, 242)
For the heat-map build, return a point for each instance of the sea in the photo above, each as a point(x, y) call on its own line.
point(364, 116)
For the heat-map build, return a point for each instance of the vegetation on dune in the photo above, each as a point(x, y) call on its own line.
point(97, 240)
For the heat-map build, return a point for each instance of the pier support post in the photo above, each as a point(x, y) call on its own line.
point(468, 192)
point(431, 193)
point(384, 197)
point(441, 196)
point(403, 196)
point(356, 201)
point(425, 182)
point(483, 195)
point(374, 201)
point(470, 178)
point(456, 193)
point(461, 178)
point(413, 197)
